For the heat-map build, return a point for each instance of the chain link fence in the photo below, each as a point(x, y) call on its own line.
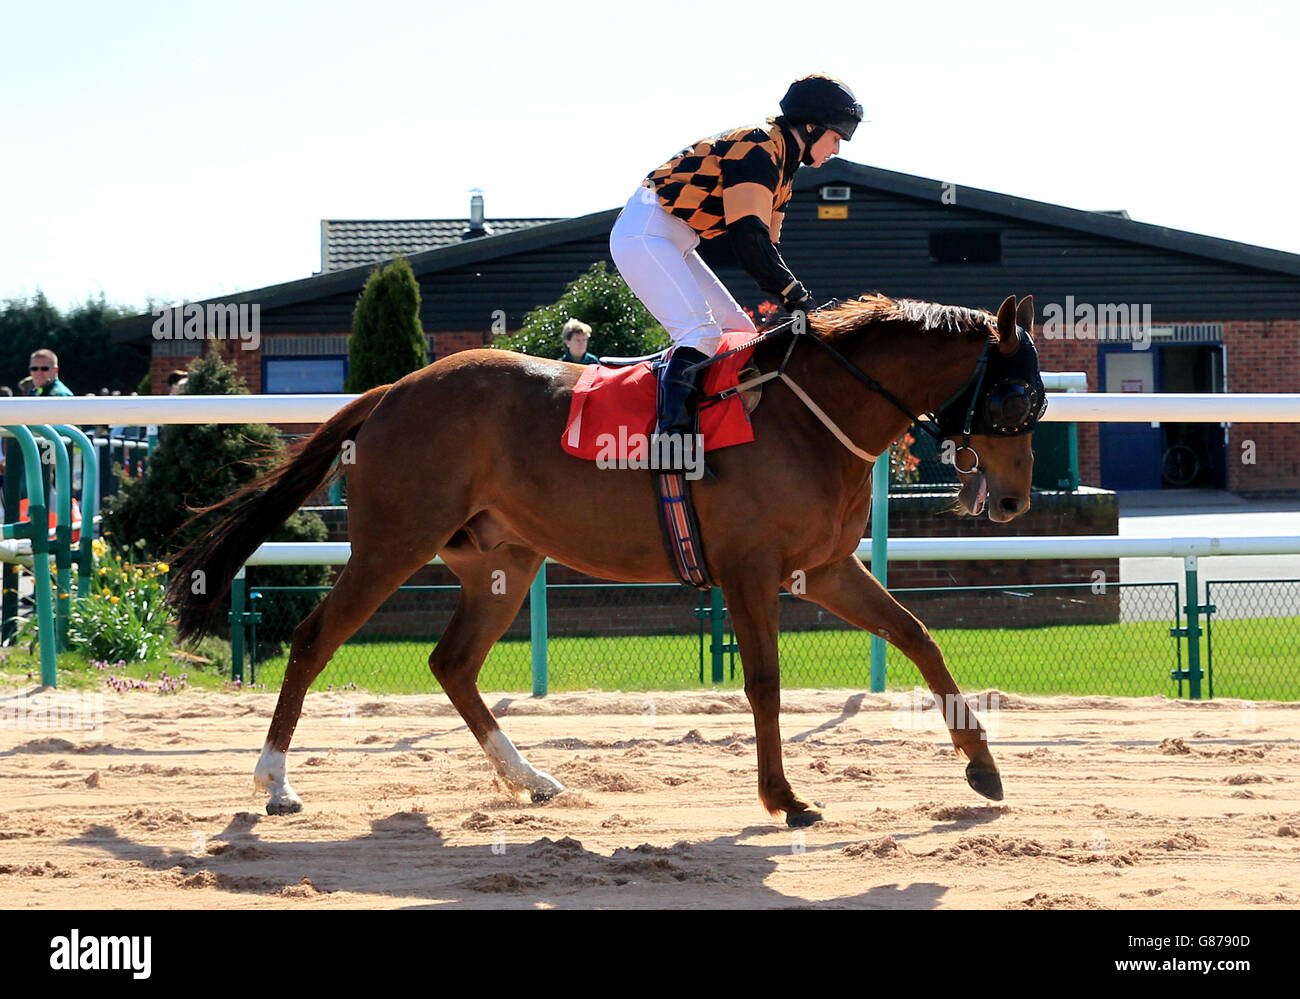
point(1252, 639)
point(1111, 639)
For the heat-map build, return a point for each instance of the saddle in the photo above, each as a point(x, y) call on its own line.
point(612, 422)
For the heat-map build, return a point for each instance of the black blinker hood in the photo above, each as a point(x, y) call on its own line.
point(1011, 383)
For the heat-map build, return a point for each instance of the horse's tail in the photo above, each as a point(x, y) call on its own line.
point(203, 570)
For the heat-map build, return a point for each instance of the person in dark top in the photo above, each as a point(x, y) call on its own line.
point(575, 335)
point(44, 367)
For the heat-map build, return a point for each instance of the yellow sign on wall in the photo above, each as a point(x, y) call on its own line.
point(832, 211)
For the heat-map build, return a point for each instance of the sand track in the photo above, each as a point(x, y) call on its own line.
point(1110, 803)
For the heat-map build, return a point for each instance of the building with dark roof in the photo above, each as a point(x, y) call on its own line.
point(346, 243)
point(1138, 307)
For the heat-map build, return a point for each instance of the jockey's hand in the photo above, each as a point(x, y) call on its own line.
point(797, 298)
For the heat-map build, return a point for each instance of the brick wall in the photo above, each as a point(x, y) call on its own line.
point(449, 343)
point(1261, 357)
point(160, 368)
point(1076, 355)
point(249, 362)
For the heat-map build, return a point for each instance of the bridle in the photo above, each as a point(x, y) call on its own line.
point(1012, 405)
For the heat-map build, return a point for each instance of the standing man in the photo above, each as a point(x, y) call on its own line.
point(44, 368)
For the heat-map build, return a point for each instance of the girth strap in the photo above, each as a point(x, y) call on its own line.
point(681, 531)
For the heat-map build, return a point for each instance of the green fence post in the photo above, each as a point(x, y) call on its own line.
point(879, 558)
point(1193, 630)
point(38, 529)
point(700, 615)
point(717, 618)
point(1209, 609)
point(1072, 443)
point(254, 615)
point(89, 482)
point(9, 578)
point(237, 598)
point(539, 639)
point(62, 530)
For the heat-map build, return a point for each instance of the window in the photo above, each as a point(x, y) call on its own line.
point(301, 375)
point(969, 246)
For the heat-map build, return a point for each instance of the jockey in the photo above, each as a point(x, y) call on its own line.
point(737, 183)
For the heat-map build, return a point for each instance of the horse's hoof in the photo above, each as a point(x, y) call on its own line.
point(544, 794)
point(985, 782)
point(283, 807)
point(798, 820)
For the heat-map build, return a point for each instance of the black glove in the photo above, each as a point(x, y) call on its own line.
point(797, 297)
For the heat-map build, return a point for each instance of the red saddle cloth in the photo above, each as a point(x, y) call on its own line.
point(612, 404)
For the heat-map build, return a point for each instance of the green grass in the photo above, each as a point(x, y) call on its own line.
point(76, 671)
point(1257, 659)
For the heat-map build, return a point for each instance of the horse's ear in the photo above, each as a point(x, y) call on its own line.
point(1008, 341)
point(1025, 314)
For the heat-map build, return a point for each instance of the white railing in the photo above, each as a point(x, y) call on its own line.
point(917, 549)
point(1065, 407)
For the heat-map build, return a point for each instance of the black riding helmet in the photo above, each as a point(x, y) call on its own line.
point(823, 101)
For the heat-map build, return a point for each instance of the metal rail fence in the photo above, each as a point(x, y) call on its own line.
point(1252, 639)
point(1066, 408)
point(1127, 640)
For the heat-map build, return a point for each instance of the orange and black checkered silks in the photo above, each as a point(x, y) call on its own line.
point(690, 185)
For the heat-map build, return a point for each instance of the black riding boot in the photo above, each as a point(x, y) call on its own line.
point(678, 401)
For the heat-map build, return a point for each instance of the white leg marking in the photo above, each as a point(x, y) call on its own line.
point(271, 776)
point(518, 773)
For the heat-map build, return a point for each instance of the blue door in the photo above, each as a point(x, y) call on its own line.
point(1130, 452)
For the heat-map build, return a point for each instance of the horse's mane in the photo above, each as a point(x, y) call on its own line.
point(847, 318)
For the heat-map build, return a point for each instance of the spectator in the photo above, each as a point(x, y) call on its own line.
point(575, 334)
point(25, 386)
point(44, 367)
point(176, 382)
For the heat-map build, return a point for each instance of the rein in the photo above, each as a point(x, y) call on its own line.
point(929, 426)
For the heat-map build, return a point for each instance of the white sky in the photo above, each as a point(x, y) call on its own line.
point(181, 150)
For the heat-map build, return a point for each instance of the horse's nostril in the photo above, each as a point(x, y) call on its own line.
point(1010, 504)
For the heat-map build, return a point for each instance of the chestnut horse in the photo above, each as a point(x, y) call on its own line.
point(462, 459)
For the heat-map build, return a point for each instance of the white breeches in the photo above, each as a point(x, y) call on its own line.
point(655, 253)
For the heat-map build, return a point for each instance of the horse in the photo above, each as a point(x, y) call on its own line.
point(462, 459)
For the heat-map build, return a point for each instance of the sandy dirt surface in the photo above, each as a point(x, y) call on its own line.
point(1110, 803)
